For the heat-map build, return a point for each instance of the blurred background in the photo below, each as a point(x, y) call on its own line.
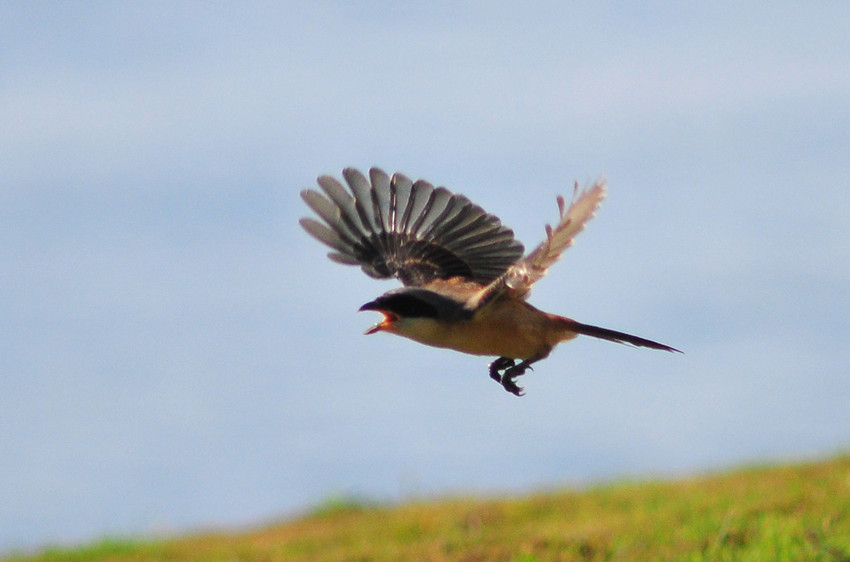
point(177, 354)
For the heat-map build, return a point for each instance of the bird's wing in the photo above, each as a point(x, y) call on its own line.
point(520, 276)
point(393, 227)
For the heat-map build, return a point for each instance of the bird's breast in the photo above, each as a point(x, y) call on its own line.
point(504, 328)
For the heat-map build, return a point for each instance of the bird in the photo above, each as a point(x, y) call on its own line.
point(465, 278)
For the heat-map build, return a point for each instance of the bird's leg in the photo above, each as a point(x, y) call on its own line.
point(502, 363)
point(509, 371)
point(514, 371)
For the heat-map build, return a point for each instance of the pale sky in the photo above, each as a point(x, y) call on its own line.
point(178, 354)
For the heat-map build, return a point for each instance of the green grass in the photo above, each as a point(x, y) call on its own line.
point(793, 512)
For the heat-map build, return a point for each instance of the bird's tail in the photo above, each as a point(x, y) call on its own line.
point(571, 328)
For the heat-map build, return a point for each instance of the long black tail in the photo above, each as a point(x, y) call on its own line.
point(612, 335)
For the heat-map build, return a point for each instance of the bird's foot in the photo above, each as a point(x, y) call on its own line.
point(510, 371)
point(511, 386)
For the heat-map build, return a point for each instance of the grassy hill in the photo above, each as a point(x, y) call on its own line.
point(793, 512)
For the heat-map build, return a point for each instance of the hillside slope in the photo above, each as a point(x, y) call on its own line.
point(793, 512)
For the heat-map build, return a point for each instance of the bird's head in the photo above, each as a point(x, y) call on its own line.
point(402, 306)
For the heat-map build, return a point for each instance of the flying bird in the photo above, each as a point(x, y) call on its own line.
point(465, 279)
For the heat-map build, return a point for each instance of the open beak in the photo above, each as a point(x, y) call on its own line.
point(389, 318)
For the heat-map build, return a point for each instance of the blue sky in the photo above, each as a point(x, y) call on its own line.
point(177, 354)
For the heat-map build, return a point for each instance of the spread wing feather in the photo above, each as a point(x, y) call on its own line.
point(522, 275)
point(393, 227)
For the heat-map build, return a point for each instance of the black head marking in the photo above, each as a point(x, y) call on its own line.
point(419, 303)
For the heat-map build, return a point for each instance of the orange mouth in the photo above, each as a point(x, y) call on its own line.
point(385, 324)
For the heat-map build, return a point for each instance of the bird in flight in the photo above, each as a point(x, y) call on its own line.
point(465, 279)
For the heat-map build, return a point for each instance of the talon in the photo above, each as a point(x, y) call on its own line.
point(512, 372)
point(511, 386)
